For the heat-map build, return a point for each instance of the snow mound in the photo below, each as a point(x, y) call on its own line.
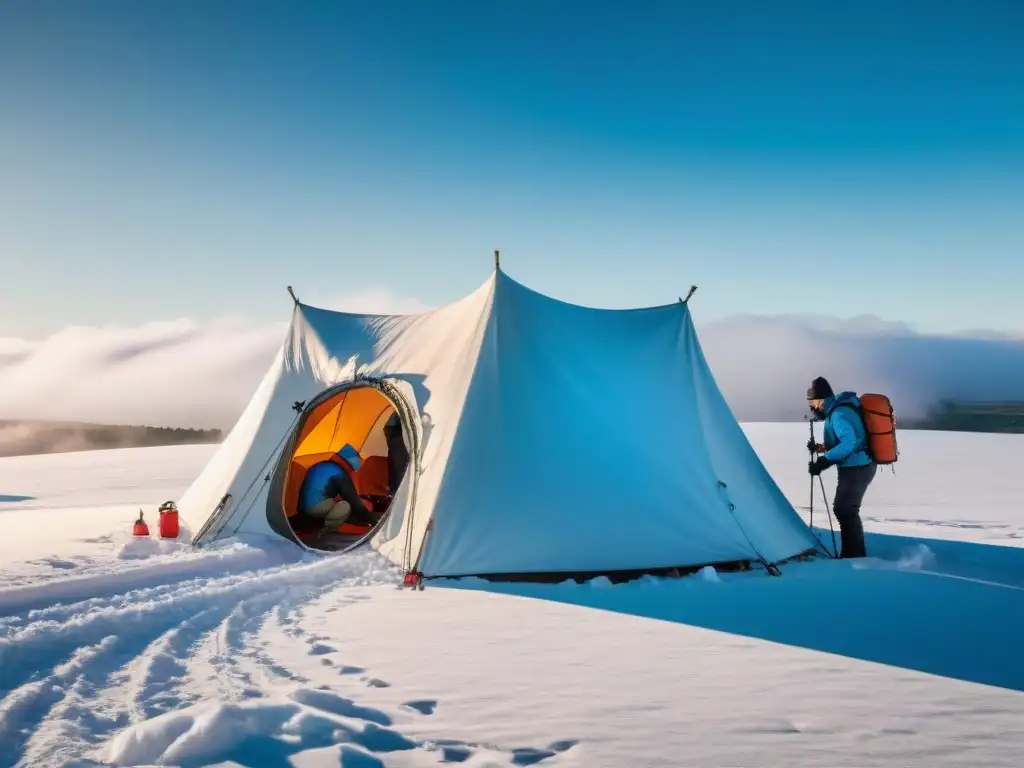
point(709, 574)
point(142, 547)
point(313, 725)
point(916, 558)
point(144, 571)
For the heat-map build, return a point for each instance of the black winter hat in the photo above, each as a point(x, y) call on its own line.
point(820, 389)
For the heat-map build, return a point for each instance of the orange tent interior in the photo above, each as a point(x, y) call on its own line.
point(354, 416)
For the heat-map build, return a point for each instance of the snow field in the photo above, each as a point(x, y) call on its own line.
point(116, 651)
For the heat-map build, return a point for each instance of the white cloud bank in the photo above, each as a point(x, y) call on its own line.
point(183, 373)
point(178, 373)
point(765, 364)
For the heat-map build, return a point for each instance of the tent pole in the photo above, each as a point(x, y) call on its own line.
point(497, 260)
point(292, 294)
point(693, 290)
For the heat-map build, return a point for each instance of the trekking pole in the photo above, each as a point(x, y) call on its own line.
point(835, 548)
point(824, 498)
point(810, 424)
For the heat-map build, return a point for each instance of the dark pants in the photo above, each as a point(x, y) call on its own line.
point(853, 484)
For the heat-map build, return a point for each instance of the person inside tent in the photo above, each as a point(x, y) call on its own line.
point(846, 446)
point(340, 496)
point(398, 454)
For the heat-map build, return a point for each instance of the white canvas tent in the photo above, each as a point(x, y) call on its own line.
point(545, 438)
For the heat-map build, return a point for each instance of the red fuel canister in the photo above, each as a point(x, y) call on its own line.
point(168, 520)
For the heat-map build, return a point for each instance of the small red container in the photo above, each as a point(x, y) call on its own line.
point(140, 528)
point(168, 521)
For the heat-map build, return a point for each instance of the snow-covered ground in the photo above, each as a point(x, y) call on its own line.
point(120, 652)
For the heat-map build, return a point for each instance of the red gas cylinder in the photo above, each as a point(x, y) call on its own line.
point(168, 520)
point(140, 528)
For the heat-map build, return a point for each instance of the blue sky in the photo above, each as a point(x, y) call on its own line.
point(160, 160)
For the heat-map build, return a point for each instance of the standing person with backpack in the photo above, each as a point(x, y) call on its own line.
point(846, 446)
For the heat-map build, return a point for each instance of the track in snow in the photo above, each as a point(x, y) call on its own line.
point(204, 670)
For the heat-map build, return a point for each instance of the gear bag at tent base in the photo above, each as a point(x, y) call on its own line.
point(536, 437)
point(880, 427)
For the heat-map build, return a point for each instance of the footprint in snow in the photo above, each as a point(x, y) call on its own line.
point(776, 726)
point(105, 539)
point(455, 751)
point(321, 649)
point(531, 756)
point(423, 706)
point(338, 705)
point(265, 733)
point(373, 682)
point(56, 562)
point(346, 670)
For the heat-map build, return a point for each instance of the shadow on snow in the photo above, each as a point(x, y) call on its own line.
point(896, 608)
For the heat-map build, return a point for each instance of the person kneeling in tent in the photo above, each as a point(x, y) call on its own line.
point(340, 496)
point(846, 446)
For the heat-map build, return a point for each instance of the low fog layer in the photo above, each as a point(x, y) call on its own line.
point(190, 374)
point(20, 438)
point(765, 364)
point(179, 373)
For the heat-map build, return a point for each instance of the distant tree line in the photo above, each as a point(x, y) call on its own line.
point(20, 438)
point(953, 416)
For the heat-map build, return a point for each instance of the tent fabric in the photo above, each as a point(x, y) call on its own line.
point(372, 477)
point(347, 418)
point(544, 437)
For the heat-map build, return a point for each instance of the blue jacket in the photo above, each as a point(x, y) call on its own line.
point(845, 436)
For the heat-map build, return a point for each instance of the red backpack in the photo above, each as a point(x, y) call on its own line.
point(880, 428)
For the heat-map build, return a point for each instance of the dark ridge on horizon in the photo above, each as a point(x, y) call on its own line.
point(988, 417)
point(30, 438)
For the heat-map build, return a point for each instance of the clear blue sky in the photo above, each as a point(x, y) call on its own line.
point(193, 158)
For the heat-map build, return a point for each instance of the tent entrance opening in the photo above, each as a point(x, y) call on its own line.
point(348, 448)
